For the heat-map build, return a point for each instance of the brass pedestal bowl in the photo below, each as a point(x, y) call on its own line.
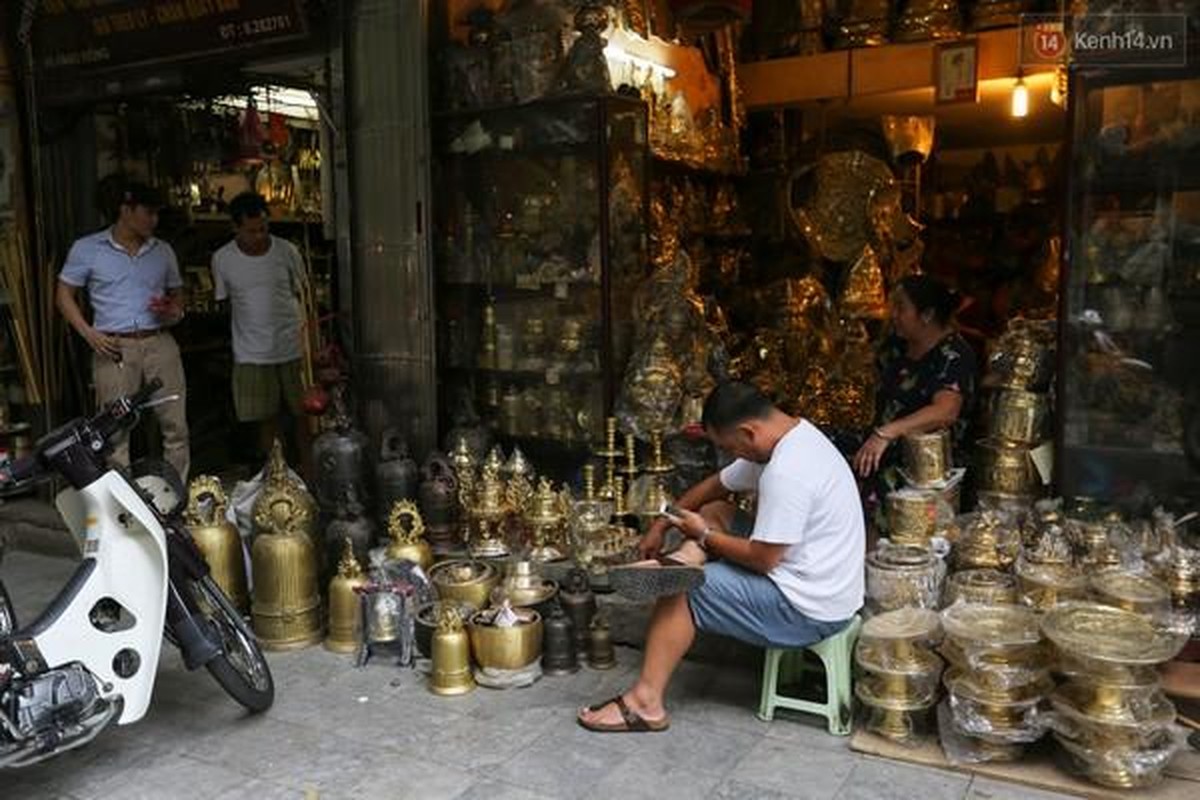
point(900, 719)
point(903, 576)
point(1043, 586)
point(1002, 717)
point(1140, 593)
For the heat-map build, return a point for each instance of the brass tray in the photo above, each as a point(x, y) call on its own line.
point(1108, 634)
point(991, 626)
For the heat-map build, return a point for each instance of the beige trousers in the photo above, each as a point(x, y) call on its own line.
point(143, 360)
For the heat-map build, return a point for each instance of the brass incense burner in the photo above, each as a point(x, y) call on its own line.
point(488, 512)
point(986, 586)
point(524, 587)
point(545, 520)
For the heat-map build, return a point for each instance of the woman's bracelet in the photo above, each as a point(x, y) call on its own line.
point(879, 432)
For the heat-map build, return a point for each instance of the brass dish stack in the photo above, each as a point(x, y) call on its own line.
point(986, 586)
point(998, 678)
point(1111, 716)
point(903, 576)
point(986, 540)
point(898, 671)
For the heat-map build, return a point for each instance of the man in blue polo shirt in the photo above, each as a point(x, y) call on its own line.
point(134, 288)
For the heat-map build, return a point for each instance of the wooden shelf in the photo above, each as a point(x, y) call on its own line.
point(844, 74)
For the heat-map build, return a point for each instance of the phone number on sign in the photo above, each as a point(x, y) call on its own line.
point(256, 27)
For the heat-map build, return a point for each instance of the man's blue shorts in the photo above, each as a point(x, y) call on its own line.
point(748, 606)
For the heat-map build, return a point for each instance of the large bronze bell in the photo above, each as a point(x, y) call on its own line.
point(438, 499)
point(397, 476)
point(345, 609)
point(600, 651)
point(451, 672)
point(217, 539)
point(559, 656)
point(286, 611)
point(339, 455)
point(579, 603)
point(407, 530)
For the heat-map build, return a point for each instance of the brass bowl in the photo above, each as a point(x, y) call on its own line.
point(506, 648)
point(1141, 594)
point(470, 582)
point(986, 586)
point(526, 596)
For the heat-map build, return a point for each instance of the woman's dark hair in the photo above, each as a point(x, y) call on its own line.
point(247, 204)
point(930, 295)
point(732, 402)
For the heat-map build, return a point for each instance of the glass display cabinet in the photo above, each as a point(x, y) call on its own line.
point(1129, 378)
point(540, 220)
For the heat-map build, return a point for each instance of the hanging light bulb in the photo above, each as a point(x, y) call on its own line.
point(1020, 97)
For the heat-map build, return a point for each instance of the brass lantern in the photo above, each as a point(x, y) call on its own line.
point(217, 539)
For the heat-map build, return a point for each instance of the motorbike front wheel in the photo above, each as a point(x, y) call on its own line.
point(8, 617)
point(241, 669)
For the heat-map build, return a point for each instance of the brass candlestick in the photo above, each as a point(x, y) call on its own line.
point(619, 509)
point(659, 465)
point(589, 483)
point(631, 468)
point(609, 453)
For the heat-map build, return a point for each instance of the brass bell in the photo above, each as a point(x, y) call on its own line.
point(600, 652)
point(559, 656)
point(286, 611)
point(345, 610)
point(408, 543)
point(217, 539)
point(451, 672)
point(579, 603)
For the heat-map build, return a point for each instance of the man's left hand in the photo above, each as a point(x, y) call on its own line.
point(690, 524)
point(168, 308)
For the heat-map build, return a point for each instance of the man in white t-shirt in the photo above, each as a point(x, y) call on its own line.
point(789, 577)
point(262, 277)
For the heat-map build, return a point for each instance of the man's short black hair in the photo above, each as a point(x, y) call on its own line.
point(732, 402)
point(117, 190)
point(247, 204)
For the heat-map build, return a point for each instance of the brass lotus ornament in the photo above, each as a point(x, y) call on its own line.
point(217, 539)
point(282, 506)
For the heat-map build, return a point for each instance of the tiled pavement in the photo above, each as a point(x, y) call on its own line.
point(340, 732)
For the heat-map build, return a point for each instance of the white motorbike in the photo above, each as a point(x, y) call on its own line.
point(91, 657)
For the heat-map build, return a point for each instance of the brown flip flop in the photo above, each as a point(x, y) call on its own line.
point(648, 583)
point(631, 721)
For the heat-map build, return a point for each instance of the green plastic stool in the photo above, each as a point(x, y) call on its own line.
point(783, 664)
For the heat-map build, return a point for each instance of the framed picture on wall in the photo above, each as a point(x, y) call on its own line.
point(956, 72)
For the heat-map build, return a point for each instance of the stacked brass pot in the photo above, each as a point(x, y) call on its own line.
point(903, 576)
point(925, 507)
point(1018, 411)
point(898, 672)
point(1111, 716)
point(998, 677)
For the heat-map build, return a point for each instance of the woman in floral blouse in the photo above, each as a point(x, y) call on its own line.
point(927, 379)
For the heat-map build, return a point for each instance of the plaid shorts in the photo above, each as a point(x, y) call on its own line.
point(260, 390)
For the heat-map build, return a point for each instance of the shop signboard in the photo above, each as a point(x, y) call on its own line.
point(72, 37)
